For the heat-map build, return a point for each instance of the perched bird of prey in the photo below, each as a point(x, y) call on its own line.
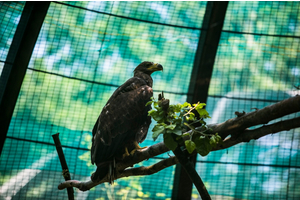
point(124, 121)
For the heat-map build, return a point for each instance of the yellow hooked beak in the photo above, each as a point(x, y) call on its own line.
point(155, 67)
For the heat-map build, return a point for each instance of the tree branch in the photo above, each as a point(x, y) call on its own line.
point(255, 134)
point(137, 171)
point(261, 116)
point(236, 127)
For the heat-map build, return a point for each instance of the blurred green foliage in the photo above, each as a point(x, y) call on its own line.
point(85, 50)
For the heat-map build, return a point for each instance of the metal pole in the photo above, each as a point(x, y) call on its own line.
point(17, 61)
point(200, 80)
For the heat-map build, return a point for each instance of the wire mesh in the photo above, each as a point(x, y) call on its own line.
point(85, 50)
point(256, 66)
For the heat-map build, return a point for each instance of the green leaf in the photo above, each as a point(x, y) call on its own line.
point(176, 108)
point(157, 130)
point(178, 121)
point(215, 139)
point(203, 113)
point(186, 104)
point(189, 125)
point(161, 113)
point(213, 142)
point(199, 106)
point(190, 117)
point(177, 130)
point(203, 146)
point(190, 146)
point(149, 103)
point(170, 142)
point(171, 126)
point(157, 115)
point(151, 112)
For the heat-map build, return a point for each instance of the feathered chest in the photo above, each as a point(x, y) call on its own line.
point(126, 109)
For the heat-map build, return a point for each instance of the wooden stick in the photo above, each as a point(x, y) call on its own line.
point(64, 166)
point(192, 173)
point(183, 159)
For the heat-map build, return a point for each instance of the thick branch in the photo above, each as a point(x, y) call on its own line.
point(255, 134)
point(145, 154)
point(261, 116)
point(138, 171)
point(236, 127)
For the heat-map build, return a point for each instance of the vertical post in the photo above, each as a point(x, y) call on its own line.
point(63, 162)
point(17, 61)
point(200, 79)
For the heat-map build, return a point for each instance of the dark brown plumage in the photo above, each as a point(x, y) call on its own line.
point(123, 120)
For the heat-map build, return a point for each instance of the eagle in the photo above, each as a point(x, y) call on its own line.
point(123, 121)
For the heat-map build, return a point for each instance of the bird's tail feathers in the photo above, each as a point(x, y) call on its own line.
point(112, 171)
point(105, 169)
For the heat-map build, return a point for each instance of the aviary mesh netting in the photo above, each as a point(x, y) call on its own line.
point(85, 50)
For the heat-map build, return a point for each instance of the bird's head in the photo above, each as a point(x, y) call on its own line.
point(148, 67)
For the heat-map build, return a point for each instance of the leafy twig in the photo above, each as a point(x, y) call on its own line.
point(191, 109)
point(173, 118)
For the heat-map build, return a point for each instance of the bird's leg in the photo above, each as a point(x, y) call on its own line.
point(126, 153)
point(137, 147)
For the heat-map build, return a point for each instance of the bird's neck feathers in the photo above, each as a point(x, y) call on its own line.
point(144, 76)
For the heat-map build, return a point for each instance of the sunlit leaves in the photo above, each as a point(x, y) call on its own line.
point(203, 145)
point(215, 139)
point(170, 123)
point(190, 146)
point(157, 130)
point(203, 113)
point(171, 127)
point(156, 115)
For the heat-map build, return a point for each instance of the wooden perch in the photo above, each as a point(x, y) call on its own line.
point(189, 167)
point(138, 171)
point(129, 161)
point(236, 127)
point(63, 162)
point(247, 135)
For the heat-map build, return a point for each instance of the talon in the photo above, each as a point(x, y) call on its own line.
point(126, 153)
point(137, 147)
